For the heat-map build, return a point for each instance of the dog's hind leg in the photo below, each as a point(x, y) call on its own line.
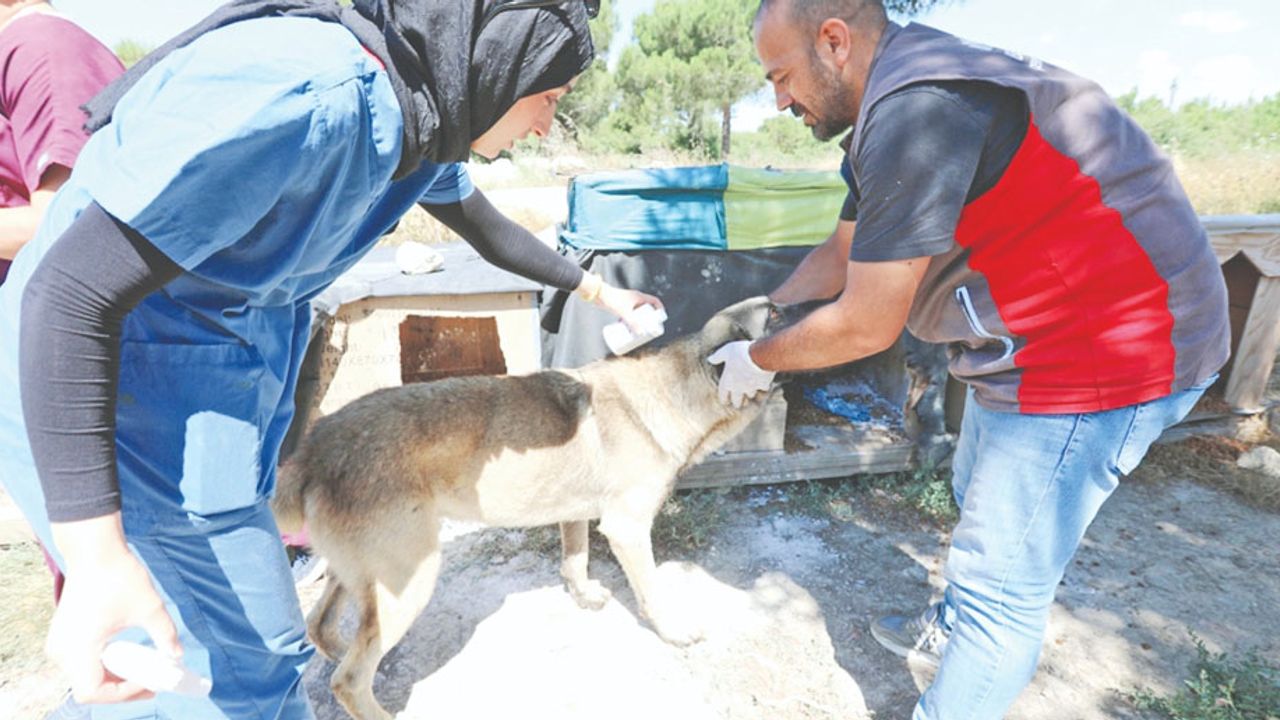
point(352, 681)
point(322, 621)
point(630, 542)
point(384, 617)
point(588, 593)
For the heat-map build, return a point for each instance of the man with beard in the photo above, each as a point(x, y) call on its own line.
point(1009, 209)
point(163, 306)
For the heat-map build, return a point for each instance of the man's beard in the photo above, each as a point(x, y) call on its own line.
point(835, 100)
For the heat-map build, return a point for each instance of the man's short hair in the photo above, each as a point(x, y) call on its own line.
point(810, 14)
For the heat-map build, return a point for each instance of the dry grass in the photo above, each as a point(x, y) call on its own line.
point(1211, 461)
point(1232, 184)
point(26, 606)
point(419, 226)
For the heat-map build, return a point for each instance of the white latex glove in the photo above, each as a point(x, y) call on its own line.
point(741, 379)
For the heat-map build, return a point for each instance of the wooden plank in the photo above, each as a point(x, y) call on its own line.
point(1247, 246)
point(1202, 421)
point(767, 432)
point(834, 451)
point(843, 450)
point(1254, 236)
point(1256, 352)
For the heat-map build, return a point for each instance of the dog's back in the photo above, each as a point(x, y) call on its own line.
point(426, 441)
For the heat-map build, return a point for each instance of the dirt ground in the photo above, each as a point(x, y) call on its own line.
point(784, 580)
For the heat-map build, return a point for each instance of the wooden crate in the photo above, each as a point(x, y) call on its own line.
point(381, 342)
point(382, 329)
point(1248, 248)
point(825, 451)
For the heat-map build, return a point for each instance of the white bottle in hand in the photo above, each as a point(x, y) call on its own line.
point(152, 669)
point(649, 323)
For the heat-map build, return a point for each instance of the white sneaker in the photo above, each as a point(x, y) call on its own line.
point(307, 567)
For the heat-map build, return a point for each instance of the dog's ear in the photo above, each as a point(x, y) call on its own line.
point(745, 320)
point(720, 330)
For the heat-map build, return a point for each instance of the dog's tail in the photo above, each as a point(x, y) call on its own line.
point(288, 505)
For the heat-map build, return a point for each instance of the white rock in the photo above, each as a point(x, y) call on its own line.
point(1263, 459)
point(415, 258)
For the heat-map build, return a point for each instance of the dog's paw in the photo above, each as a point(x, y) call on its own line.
point(677, 630)
point(590, 595)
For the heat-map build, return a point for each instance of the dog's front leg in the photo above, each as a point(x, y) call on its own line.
point(588, 593)
point(631, 544)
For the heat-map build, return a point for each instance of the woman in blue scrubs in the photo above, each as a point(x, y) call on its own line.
point(162, 310)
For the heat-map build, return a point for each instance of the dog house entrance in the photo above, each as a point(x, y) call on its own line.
point(433, 347)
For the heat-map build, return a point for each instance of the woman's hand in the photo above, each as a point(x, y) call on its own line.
point(618, 301)
point(107, 590)
point(621, 301)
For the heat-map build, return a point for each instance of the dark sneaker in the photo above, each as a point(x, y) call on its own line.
point(920, 637)
point(69, 710)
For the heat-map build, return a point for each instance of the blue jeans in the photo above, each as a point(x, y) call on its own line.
point(1027, 486)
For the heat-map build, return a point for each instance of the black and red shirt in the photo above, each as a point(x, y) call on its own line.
point(1070, 272)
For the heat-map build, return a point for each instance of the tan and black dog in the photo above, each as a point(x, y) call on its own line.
point(374, 480)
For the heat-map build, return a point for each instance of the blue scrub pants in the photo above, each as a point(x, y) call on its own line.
point(1027, 486)
point(226, 582)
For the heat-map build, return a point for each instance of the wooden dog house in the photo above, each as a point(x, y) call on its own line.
point(1248, 248)
point(378, 327)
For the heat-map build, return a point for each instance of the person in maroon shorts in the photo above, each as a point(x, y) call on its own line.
point(49, 67)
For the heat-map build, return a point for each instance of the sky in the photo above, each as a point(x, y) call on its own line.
point(1223, 50)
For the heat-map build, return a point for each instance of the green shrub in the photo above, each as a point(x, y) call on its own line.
point(1219, 689)
point(925, 490)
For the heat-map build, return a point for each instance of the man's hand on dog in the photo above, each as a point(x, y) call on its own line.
point(741, 379)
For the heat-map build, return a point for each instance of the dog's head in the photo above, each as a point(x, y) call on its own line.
point(745, 320)
point(752, 319)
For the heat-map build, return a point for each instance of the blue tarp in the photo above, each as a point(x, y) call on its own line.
point(712, 207)
point(671, 208)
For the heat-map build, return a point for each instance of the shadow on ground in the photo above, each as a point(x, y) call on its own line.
point(786, 596)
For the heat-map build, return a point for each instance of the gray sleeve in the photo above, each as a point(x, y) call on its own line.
point(505, 244)
point(849, 211)
point(917, 161)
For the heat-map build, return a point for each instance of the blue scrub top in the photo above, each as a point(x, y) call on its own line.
point(265, 174)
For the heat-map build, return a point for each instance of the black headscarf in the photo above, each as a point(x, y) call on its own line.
point(453, 80)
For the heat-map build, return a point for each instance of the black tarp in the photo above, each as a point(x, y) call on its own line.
point(693, 285)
